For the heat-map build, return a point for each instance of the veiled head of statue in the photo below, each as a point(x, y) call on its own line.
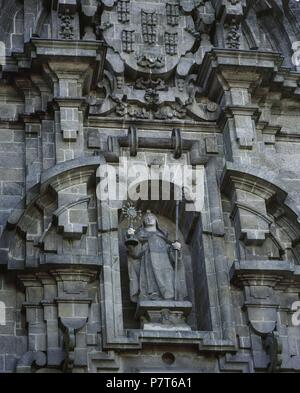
point(149, 219)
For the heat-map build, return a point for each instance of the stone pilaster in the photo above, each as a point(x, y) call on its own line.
point(34, 312)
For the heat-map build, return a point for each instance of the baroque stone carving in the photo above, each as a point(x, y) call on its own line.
point(233, 35)
point(155, 84)
point(171, 42)
point(155, 97)
point(123, 7)
point(149, 29)
point(151, 263)
point(150, 61)
point(162, 44)
point(128, 40)
point(173, 13)
point(66, 29)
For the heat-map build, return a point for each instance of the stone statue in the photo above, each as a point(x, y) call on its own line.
point(152, 263)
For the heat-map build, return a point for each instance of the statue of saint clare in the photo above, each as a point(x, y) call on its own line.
point(151, 263)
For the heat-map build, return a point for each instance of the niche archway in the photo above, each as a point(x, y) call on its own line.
point(189, 222)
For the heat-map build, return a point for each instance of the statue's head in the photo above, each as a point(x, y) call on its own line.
point(149, 219)
point(150, 223)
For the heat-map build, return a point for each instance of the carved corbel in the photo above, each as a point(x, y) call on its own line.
point(70, 327)
point(258, 280)
point(29, 359)
point(73, 310)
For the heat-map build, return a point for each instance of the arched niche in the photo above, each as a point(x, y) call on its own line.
point(190, 237)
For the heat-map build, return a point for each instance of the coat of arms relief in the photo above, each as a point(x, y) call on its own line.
point(138, 31)
point(153, 49)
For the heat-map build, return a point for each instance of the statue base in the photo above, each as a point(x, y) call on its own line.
point(164, 315)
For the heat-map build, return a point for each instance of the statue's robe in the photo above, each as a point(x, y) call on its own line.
point(151, 268)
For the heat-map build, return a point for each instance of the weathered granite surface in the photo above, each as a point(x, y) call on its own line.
point(87, 82)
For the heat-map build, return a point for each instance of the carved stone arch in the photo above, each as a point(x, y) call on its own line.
point(277, 243)
point(262, 182)
point(249, 35)
point(259, 274)
point(264, 201)
point(270, 15)
point(256, 34)
point(47, 204)
point(190, 238)
point(58, 269)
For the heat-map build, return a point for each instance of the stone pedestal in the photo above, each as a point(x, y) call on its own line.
point(164, 315)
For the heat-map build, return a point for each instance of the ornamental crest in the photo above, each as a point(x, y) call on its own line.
point(150, 36)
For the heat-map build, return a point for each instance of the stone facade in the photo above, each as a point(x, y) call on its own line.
point(213, 84)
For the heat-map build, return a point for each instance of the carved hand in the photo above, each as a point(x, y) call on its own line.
point(130, 231)
point(176, 246)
